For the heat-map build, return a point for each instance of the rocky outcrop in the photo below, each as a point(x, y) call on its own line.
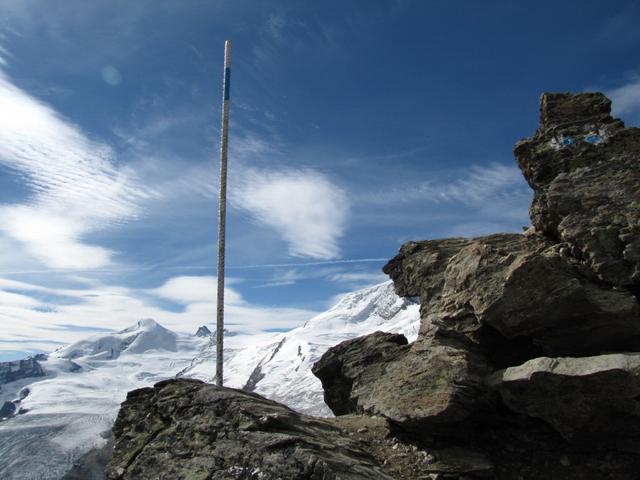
point(30, 367)
point(521, 286)
point(189, 429)
point(524, 338)
point(14, 371)
point(583, 167)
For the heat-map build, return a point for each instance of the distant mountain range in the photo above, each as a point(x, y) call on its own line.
point(56, 407)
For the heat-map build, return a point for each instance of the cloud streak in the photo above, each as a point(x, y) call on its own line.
point(76, 187)
point(475, 186)
point(28, 323)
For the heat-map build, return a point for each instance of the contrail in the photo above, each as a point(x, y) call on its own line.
point(196, 267)
point(310, 264)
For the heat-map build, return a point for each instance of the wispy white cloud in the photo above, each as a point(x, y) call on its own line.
point(76, 187)
point(193, 289)
point(275, 24)
point(52, 239)
point(476, 185)
point(4, 54)
point(368, 278)
point(304, 207)
point(494, 193)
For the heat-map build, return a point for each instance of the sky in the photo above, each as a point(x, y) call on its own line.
point(355, 126)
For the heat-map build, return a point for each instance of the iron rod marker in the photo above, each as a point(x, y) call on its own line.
point(222, 213)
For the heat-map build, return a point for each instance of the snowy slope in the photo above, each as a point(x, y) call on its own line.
point(359, 313)
point(279, 367)
point(72, 408)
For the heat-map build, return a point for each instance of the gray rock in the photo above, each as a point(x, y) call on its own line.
point(8, 410)
point(423, 275)
point(583, 167)
point(189, 429)
point(582, 398)
point(349, 371)
point(524, 287)
point(378, 374)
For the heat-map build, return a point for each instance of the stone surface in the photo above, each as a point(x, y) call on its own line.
point(402, 457)
point(583, 167)
point(423, 276)
point(351, 369)
point(585, 398)
point(378, 374)
point(189, 429)
point(521, 286)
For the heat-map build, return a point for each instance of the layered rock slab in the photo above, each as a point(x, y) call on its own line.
point(189, 429)
point(585, 398)
point(523, 286)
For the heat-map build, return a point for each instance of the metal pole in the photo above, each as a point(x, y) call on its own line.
point(222, 210)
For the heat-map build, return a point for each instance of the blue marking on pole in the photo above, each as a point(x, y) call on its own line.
point(566, 141)
point(592, 138)
point(227, 81)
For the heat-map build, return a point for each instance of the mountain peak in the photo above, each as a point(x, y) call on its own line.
point(203, 331)
point(144, 335)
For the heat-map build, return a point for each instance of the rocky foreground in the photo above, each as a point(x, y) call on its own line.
point(527, 364)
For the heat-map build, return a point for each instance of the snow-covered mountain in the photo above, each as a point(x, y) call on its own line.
point(55, 418)
point(285, 374)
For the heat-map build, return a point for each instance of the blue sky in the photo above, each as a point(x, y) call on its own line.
point(355, 126)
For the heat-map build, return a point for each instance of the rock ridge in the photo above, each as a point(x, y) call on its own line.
point(539, 329)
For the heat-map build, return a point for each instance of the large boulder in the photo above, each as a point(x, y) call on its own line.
point(379, 375)
point(350, 370)
point(189, 429)
point(583, 167)
point(588, 398)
